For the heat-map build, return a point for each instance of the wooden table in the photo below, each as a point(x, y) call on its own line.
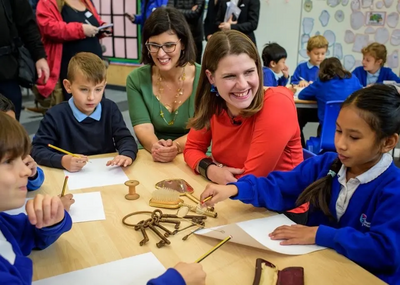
point(305, 104)
point(93, 243)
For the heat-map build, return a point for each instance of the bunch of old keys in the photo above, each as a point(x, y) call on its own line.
point(156, 220)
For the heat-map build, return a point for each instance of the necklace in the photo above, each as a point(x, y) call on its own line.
point(177, 101)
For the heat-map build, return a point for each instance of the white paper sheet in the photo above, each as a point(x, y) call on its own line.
point(87, 207)
point(255, 233)
point(96, 174)
point(135, 270)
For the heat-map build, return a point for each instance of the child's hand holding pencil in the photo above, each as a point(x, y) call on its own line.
point(72, 163)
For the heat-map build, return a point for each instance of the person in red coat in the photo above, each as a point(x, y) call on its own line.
point(67, 28)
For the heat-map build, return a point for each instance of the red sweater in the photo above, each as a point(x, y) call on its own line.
point(266, 141)
point(54, 33)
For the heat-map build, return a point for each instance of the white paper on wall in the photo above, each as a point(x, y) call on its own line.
point(338, 51)
point(395, 38)
point(349, 61)
point(393, 59)
point(330, 36)
point(379, 5)
point(324, 18)
point(393, 19)
point(369, 30)
point(382, 35)
point(339, 16)
point(333, 3)
point(349, 37)
point(308, 25)
point(355, 5)
point(345, 2)
point(366, 3)
point(360, 41)
point(388, 3)
point(357, 20)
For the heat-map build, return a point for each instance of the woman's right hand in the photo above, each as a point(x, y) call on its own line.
point(219, 193)
point(192, 273)
point(223, 175)
point(89, 30)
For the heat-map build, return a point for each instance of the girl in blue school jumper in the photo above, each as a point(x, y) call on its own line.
point(372, 70)
point(19, 234)
point(353, 195)
point(35, 180)
point(333, 83)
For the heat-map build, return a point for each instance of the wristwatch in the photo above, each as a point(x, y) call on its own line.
point(203, 166)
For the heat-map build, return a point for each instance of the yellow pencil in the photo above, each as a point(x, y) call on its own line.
point(213, 249)
point(63, 151)
point(64, 186)
point(206, 199)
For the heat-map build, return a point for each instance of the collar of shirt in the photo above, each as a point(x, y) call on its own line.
point(79, 116)
point(309, 65)
point(370, 174)
point(6, 249)
point(277, 75)
point(373, 77)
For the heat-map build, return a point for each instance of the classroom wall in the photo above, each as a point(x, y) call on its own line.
point(347, 24)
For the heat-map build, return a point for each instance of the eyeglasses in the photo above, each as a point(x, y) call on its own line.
point(167, 47)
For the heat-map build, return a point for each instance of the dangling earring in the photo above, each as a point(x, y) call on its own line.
point(214, 89)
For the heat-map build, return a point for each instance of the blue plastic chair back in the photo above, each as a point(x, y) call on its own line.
point(307, 154)
point(329, 125)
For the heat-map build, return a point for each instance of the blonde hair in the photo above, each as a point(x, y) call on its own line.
point(317, 42)
point(207, 103)
point(89, 64)
point(377, 51)
point(14, 141)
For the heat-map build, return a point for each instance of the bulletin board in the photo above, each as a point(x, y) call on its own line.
point(123, 47)
point(350, 25)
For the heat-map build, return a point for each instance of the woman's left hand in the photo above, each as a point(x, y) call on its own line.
point(294, 234)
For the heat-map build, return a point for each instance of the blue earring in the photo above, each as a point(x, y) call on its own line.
point(214, 89)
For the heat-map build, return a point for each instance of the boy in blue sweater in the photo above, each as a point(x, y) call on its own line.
point(146, 8)
point(35, 180)
point(333, 83)
point(276, 72)
point(372, 70)
point(45, 220)
point(88, 123)
point(307, 72)
point(353, 194)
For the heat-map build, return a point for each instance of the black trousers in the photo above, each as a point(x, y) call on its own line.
point(304, 116)
point(12, 91)
point(199, 50)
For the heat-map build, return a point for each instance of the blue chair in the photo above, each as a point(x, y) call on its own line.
point(307, 154)
point(327, 140)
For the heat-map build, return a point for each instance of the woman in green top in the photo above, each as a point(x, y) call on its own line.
point(161, 93)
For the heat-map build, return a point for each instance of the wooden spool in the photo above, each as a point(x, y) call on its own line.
point(132, 190)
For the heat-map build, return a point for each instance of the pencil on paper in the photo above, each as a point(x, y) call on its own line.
point(63, 151)
point(64, 186)
point(213, 249)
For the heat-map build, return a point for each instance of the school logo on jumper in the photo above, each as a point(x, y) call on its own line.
point(363, 220)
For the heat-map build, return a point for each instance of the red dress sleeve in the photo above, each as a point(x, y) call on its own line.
point(196, 146)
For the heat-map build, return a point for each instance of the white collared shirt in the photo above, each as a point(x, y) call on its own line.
point(6, 249)
point(348, 188)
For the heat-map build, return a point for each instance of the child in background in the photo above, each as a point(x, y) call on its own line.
point(87, 123)
point(307, 72)
point(372, 70)
point(333, 83)
point(353, 194)
point(36, 178)
point(274, 59)
point(45, 220)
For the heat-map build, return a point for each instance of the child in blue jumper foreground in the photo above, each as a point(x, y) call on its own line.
point(353, 194)
point(36, 178)
point(88, 123)
point(46, 218)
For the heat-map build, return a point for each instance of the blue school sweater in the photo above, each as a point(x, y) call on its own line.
point(61, 128)
point(35, 182)
point(368, 232)
point(20, 237)
point(270, 79)
point(171, 276)
point(146, 8)
point(385, 73)
point(331, 90)
point(302, 70)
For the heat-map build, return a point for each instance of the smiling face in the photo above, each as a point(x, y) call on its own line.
point(87, 94)
point(237, 81)
point(317, 55)
point(355, 141)
point(370, 64)
point(165, 60)
point(13, 180)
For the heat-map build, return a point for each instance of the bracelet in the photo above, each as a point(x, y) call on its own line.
point(178, 146)
point(204, 164)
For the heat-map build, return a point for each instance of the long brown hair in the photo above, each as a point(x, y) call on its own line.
point(330, 68)
point(207, 103)
point(14, 141)
point(379, 106)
